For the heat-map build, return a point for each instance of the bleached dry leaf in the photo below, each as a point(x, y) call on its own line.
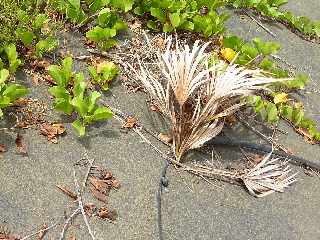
point(268, 176)
point(194, 96)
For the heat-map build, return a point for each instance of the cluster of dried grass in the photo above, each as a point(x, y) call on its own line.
point(196, 95)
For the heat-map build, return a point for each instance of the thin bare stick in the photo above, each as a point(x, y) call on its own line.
point(84, 183)
point(66, 223)
point(261, 25)
point(263, 136)
point(41, 230)
point(81, 205)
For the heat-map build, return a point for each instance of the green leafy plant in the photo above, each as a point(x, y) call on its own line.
point(9, 55)
point(271, 9)
point(35, 29)
point(168, 15)
point(108, 25)
point(9, 92)
point(103, 74)
point(265, 105)
point(72, 96)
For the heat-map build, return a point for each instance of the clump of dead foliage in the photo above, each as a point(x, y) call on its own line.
point(196, 94)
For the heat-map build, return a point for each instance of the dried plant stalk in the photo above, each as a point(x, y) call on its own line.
point(196, 96)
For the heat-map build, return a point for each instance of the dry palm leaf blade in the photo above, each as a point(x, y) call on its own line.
point(177, 82)
point(268, 176)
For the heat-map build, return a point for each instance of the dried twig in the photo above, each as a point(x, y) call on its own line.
point(41, 230)
point(263, 136)
point(66, 223)
point(91, 161)
point(266, 177)
point(81, 205)
point(261, 25)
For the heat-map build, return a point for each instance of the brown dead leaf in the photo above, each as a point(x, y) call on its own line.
point(100, 185)
point(7, 236)
point(165, 138)
point(131, 122)
point(20, 145)
point(98, 195)
point(51, 131)
point(89, 208)
point(115, 184)
point(3, 148)
point(42, 232)
point(105, 174)
point(105, 213)
point(21, 102)
point(67, 192)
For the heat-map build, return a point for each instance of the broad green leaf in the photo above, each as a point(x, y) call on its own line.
point(104, 17)
point(152, 25)
point(46, 45)
point(4, 74)
point(79, 85)
point(102, 113)
point(124, 5)
point(98, 4)
point(98, 34)
point(66, 70)
point(272, 112)
point(297, 115)
point(63, 105)
point(187, 25)
point(286, 111)
point(25, 36)
point(233, 42)
point(75, 3)
point(80, 105)
point(15, 91)
point(94, 96)
point(266, 48)
point(167, 27)
point(57, 75)
point(108, 70)
point(81, 129)
point(109, 43)
point(175, 19)
point(119, 25)
point(39, 21)
point(93, 74)
point(158, 13)
point(5, 102)
point(59, 92)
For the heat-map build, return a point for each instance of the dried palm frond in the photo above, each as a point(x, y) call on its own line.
point(196, 96)
point(268, 176)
